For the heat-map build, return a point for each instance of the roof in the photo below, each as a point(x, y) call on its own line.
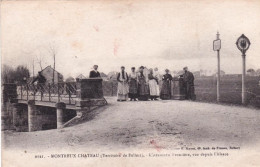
point(81, 76)
point(51, 68)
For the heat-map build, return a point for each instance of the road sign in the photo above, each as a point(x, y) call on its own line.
point(243, 43)
point(216, 44)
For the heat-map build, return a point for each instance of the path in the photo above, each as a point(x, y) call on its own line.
point(148, 125)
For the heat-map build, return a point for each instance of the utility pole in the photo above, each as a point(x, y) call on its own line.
point(243, 44)
point(217, 47)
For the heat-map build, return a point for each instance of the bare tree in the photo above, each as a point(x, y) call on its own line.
point(53, 52)
point(39, 58)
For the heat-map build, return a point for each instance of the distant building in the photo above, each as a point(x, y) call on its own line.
point(81, 76)
point(48, 74)
point(207, 72)
point(196, 74)
point(112, 75)
point(222, 73)
point(103, 76)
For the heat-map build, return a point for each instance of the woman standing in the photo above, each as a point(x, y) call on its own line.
point(153, 86)
point(133, 85)
point(122, 92)
point(143, 87)
point(166, 86)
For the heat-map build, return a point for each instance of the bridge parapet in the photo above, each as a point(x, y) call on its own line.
point(70, 100)
point(90, 93)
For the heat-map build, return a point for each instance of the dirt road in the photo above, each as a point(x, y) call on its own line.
point(146, 125)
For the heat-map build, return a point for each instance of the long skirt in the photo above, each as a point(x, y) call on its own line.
point(154, 88)
point(133, 89)
point(143, 90)
point(122, 92)
point(166, 90)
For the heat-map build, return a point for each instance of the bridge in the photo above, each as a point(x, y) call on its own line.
point(48, 106)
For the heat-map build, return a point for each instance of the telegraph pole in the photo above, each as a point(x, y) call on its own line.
point(217, 47)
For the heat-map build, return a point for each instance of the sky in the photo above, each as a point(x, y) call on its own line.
point(164, 34)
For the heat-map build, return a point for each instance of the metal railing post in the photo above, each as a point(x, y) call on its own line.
point(34, 92)
point(58, 92)
point(41, 89)
point(27, 91)
point(49, 86)
point(21, 91)
point(68, 88)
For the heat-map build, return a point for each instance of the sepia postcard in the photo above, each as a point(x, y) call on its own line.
point(126, 83)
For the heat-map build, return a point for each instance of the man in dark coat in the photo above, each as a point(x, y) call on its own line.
point(189, 84)
point(94, 73)
point(41, 80)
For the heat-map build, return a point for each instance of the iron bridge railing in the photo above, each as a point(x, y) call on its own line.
point(58, 92)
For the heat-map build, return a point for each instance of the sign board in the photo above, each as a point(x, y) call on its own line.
point(217, 45)
point(243, 43)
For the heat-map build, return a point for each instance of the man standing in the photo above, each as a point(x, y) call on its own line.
point(41, 80)
point(189, 84)
point(94, 73)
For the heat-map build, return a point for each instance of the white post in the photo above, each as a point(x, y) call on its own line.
point(243, 79)
point(218, 79)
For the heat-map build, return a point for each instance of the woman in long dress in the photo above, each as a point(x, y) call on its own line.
point(158, 76)
point(133, 85)
point(153, 86)
point(143, 88)
point(166, 86)
point(123, 89)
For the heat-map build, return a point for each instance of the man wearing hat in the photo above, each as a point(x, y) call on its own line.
point(189, 84)
point(94, 73)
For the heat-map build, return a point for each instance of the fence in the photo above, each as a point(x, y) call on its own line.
point(58, 92)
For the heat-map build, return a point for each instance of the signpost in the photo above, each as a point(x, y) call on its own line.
point(243, 44)
point(217, 47)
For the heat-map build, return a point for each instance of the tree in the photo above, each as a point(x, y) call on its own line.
point(7, 74)
point(257, 72)
point(21, 74)
point(18, 75)
point(53, 52)
point(70, 79)
point(251, 72)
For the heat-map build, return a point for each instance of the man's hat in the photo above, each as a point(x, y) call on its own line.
point(122, 66)
point(167, 70)
point(185, 68)
point(142, 67)
point(133, 68)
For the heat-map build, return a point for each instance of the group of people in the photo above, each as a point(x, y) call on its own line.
point(137, 85)
point(142, 86)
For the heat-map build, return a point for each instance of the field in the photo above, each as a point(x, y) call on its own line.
point(206, 90)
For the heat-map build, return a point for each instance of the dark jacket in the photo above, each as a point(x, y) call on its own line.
point(94, 74)
point(188, 78)
point(125, 76)
point(40, 78)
